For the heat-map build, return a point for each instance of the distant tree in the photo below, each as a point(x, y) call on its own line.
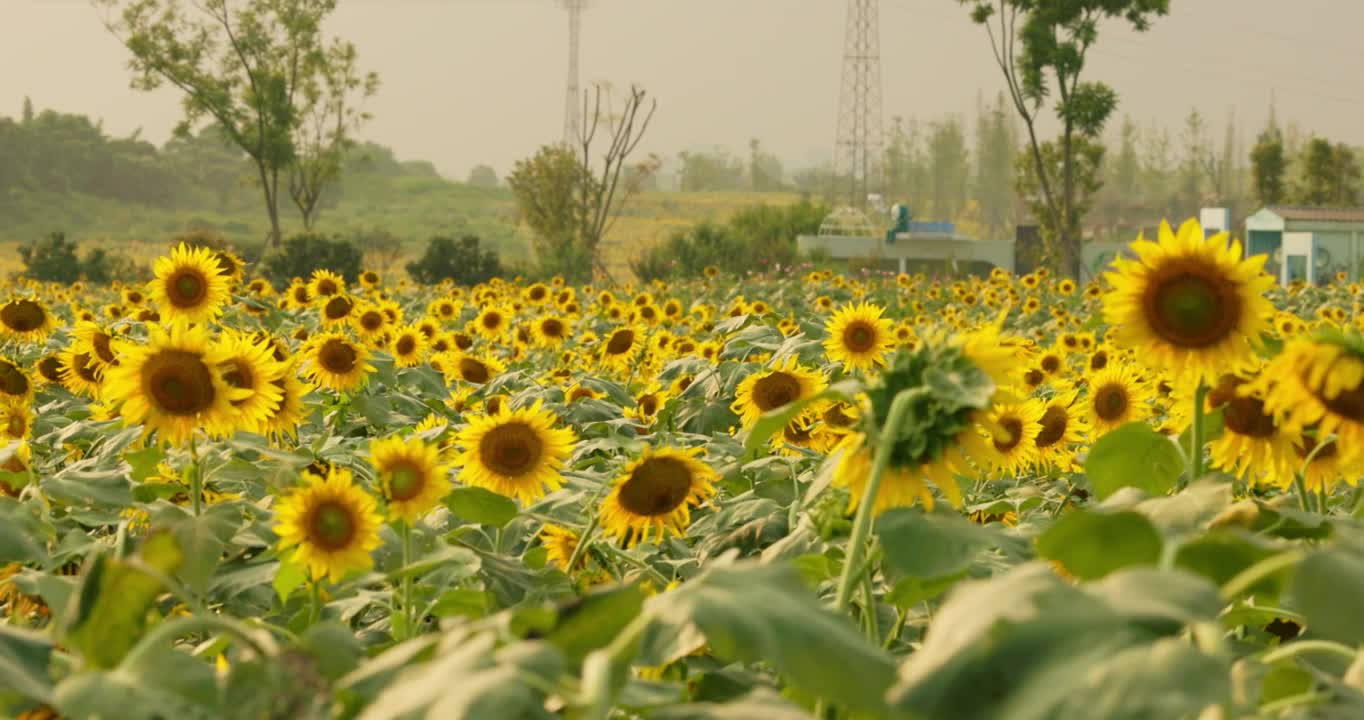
point(1269, 167)
point(949, 166)
point(716, 171)
point(1088, 168)
point(328, 115)
point(27, 116)
point(459, 260)
point(1330, 175)
point(483, 176)
point(996, 148)
point(244, 64)
point(1055, 38)
point(586, 186)
point(765, 171)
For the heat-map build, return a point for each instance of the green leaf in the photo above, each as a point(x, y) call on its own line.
point(113, 614)
point(1190, 508)
point(761, 703)
point(1136, 456)
point(288, 577)
point(1221, 555)
point(144, 462)
point(481, 506)
point(762, 613)
point(594, 621)
point(932, 545)
point(1328, 590)
point(24, 659)
point(17, 543)
point(1165, 679)
point(1090, 545)
point(911, 591)
point(201, 539)
point(463, 602)
point(333, 647)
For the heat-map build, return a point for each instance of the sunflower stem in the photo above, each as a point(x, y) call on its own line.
point(1196, 452)
point(1301, 488)
point(315, 607)
point(409, 617)
point(861, 530)
point(196, 483)
point(583, 541)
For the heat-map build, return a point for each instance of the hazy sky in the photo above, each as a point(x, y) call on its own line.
point(482, 81)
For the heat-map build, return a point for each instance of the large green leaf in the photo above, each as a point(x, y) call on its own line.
point(24, 658)
point(1136, 456)
point(762, 613)
point(932, 545)
point(760, 703)
point(1168, 678)
point(594, 621)
point(114, 601)
point(1328, 589)
point(201, 540)
point(1090, 544)
point(481, 506)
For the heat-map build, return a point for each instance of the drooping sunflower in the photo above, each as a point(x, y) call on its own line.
point(81, 374)
point(410, 476)
point(901, 486)
point(654, 495)
point(559, 545)
point(334, 361)
point(291, 410)
point(1117, 396)
point(858, 337)
point(188, 286)
point(515, 453)
point(248, 364)
point(332, 524)
point(1319, 383)
point(173, 384)
point(408, 347)
point(336, 309)
point(1322, 467)
point(1013, 431)
point(1251, 446)
point(49, 369)
point(475, 369)
point(778, 386)
point(14, 382)
point(98, 342)
point(1191, 305)
point(26, 320)
point(621, 346)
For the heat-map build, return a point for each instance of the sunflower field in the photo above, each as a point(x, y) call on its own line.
point(807, 496)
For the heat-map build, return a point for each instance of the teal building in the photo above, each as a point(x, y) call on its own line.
point(1307, 244)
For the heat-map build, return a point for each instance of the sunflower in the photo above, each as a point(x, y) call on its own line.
point(336, 309)
point(410, 476)
point(16, 421)
point(285, 418)
point(1013, 431)
point(1191, 305)
point(332, 523)
point(49, 369)
point(859, 337)
point(1319, 383)
point(559, 543)
point(551, 331)
point(90, 338)
point(1327, 468)
point(765, 391)
point(901, 486)
point(647, 404)
point(173, 384)
point(325, 283)
point(492, 322)
point(475, 369)
point(188, 286)
point(14, 382)
point(620, 347)
point(248, 364)
point(1061, 428)
point(369, 322)
point(408, 347)
point(516, 453)
point(1117, 397)
point(25, 320)
point(654, 495)
point(81, 374)
point(370, 280)
point(1251, 446)
point(334, 361)
point(537, 294)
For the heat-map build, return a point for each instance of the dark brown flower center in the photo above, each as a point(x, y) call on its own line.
point(1054, 423)
point(1191, 304)
point(1051, 363)
point(12, 379)
point(620, 343)
point(16, 426)
point(1111, 402)
point(1098, 361)
point(371, 320)
point(511, 449)
point(405, 481)
point(337, 356)
point(473, 370)
point(859, 337)
point(50, 367)
point(551, 328)
point(657, 487)
point(775, 390)
point(186, 288)
point(406, 345)
point(1013, 427)
point(327, 286)
point(337, 308)
point(178, 382)
point(83, 365)
point(648, 404)
point(492, 320)
point(23, 315)
point(100, 342)
point(331, 526)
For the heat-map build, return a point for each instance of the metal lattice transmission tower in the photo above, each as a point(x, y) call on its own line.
point(573, 95)
point(861, 141)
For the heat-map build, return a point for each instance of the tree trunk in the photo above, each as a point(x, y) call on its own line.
point(271, 190)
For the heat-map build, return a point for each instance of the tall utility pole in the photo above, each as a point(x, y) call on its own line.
point(573, 97)
point(860, 143)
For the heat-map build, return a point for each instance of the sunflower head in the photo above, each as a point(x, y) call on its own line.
point(654, 495)
point(772, 389)
point(410, 476)
point(1190, 304)
point(189, 286)
point(26, 320)
point(331, 524)
point(335, 361)
point(516, 453)
point(858, 337)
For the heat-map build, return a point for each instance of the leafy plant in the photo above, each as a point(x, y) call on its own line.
point(459, 260)
point(305, 252)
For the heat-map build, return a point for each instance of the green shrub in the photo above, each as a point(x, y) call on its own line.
point(305, 252)
point(757, 239)
point(54, 259)
point(460, 260)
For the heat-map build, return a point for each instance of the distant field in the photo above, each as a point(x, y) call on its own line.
point(411, 208)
